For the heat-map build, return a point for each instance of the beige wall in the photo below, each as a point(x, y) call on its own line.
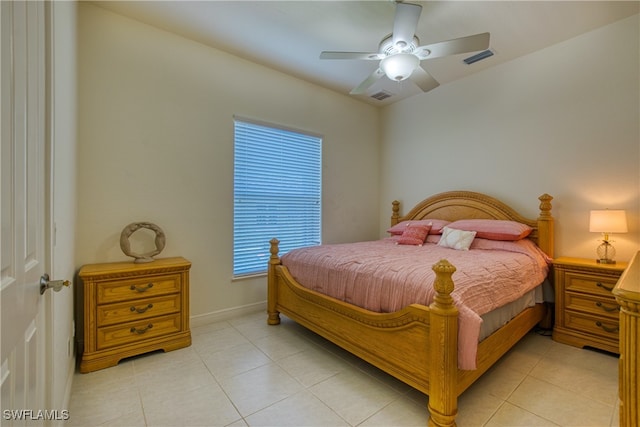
point(564, 120)
point(156, 144)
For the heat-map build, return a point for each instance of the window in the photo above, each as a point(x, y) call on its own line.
point(277, 176)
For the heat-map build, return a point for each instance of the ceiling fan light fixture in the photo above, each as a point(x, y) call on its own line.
point(399, 67)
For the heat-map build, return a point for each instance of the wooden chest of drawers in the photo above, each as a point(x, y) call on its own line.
point(587, 313)
point(130, 309)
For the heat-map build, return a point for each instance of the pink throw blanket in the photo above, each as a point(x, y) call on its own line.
point(382, 276)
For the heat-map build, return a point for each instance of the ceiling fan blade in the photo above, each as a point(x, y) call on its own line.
point(423, 79)
point(405, 22)
point(350, 55)
point(362, 87)
point(453, 47)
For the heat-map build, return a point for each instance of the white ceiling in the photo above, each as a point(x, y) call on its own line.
point(289, 35)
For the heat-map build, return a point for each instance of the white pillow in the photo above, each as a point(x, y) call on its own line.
point(456, 239)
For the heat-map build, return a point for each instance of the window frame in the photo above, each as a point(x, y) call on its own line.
point(305, 200)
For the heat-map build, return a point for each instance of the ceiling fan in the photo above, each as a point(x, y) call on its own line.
point(400, 52)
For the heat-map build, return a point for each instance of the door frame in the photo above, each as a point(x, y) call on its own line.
point(61, 127)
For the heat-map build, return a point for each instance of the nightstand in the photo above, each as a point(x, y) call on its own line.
point(587, 313)
point(130, 309)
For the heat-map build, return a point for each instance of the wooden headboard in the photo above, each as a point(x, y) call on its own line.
point(455, 205)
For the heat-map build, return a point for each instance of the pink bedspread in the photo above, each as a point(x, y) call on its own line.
point(382, 276)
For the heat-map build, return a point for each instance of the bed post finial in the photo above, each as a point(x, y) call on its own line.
point(274, 249)
point(272, 290)
point(545, 225)
point(545, 205)
point(443, 284)
point(395, 212)
point(443, 349)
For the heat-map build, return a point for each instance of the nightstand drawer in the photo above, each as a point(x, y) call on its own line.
point(604, 327)
point(110, 314)
point(123, 290)
point(590, 283)
point(126, 333)
point(597, 306)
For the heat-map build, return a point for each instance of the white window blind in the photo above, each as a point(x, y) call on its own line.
point(277, 177)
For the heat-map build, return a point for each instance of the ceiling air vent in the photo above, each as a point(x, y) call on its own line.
point(383, 94)
point(478, 57)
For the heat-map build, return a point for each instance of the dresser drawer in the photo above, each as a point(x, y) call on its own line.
point(110, 314)
point(599, 285)
point(123, 290)
point(602, 326)
point(127, 333)
point(595, 305)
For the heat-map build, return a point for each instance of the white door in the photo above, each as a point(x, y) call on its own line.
point(22, 211)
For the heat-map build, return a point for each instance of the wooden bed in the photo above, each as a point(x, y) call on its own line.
point(418, 344)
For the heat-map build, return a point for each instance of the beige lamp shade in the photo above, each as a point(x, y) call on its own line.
point(608, 221)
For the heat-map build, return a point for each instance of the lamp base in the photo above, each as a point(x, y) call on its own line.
point(606, 253)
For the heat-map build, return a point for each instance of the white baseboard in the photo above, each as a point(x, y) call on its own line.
point(227, 313)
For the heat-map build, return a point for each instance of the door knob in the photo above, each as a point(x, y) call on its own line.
point(56, 285)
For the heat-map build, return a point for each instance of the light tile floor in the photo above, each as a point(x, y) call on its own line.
point(242, 372)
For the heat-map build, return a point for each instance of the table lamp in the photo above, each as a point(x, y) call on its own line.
point(607, 221)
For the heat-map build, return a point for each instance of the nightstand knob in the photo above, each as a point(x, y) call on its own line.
point(607, 328)
point(609, 309)
point(607, 288)
point(141, 310)
point(141, 288)
point(141, 330)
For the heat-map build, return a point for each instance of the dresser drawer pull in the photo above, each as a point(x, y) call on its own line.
point(142, 330)
point(141, 288)
point(609, 309)
point(606, 288)
point(607, 328)
point(144, 309)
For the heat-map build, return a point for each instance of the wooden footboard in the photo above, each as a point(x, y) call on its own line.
point(418, 345)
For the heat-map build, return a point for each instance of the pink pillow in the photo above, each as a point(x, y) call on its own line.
point(493, 229)
point(414, 234)
point(436, 226)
